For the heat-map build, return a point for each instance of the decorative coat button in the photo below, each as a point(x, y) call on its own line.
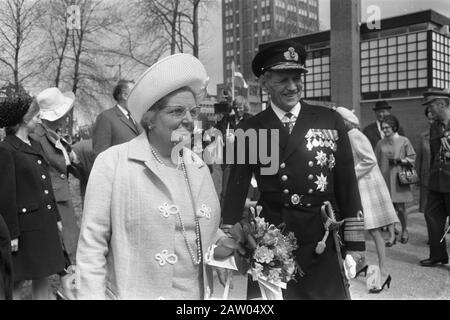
point(310, 191)
point(204, 211)
point(284, 177)
point(63, 176)
point(285, 191)
point(46, 191)
point(166, 210)
point(164, 257)
point(286, 204)
point(283, 165)
point(39, 162)
point(24, 210)
point(44, 177)
point(308, 205)
point(49, 207)
point(296, 199)
point(310, 164)
point(310, 177)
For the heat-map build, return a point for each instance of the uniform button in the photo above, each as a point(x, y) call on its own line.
point(308, 205)
point(286, 204)
point(46, 191)
point(284, 178)
point(285, 191)
point(311, 164)
point(63, 176)
point(283, 165)
point(49, 207)
point(39, 162)
point(44, 177)
point(310, 191)
point(310, 177)
point(24, 210)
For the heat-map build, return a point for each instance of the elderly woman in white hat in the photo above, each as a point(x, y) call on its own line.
point(54, 107)
point(151, 210)
point(375, 198)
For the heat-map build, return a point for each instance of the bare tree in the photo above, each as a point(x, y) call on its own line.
point(18, 19)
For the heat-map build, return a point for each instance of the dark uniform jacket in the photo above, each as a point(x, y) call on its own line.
point(372, 133)
point(316, 165)
point(439, 180)
point(112, 127)
point(29, 209)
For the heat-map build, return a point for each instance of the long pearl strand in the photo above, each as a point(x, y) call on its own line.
point(198, 259)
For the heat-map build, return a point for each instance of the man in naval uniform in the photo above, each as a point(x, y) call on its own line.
point(315, 165)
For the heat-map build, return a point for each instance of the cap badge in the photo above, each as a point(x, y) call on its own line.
point(291, 55)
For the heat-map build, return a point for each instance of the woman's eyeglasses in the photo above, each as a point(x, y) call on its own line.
point(180, 111)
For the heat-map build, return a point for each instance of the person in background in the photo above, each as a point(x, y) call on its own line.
point(6, 267)
point(151, 210)
point(86, 157)
point(240, 108)
point(375, 199)
point(438, 202)
point(29, 207)
point(373, 131)
point(116, 125)
point(54, 106)
point(393, 152)
point(423, 161)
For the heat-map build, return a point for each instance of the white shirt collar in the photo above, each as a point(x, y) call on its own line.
point(280, 113)
point(124, 111)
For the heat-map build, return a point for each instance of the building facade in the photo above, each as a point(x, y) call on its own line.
point(248, 23)
point(399, 61)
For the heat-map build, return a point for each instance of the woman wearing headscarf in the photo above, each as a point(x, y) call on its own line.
point(27, 203)
point(393, 152)
point(375, 199)
point(151, 209)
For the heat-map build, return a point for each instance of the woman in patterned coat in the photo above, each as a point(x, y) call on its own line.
point(375, 199)
point(393, 152)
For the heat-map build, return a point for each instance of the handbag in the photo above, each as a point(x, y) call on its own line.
point(408, 175)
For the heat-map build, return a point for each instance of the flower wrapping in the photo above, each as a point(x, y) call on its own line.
point(269, 257)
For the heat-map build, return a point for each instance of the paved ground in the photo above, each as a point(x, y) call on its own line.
point(409, 280)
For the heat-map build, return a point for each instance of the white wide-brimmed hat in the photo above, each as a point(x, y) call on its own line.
point(165, 76)
point(348, 115)
point(54, 104)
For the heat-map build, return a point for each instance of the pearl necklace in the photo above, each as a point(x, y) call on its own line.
point(198, 259)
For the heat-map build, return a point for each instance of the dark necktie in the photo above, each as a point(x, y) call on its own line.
point(131, 120)
point(289, 121)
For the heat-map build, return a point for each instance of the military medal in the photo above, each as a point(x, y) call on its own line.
point(295, 199)
point(321, 158)
point(315, 142)
point(321, 182)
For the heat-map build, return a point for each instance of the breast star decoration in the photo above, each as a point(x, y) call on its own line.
point(321, 158)
point(321, 182)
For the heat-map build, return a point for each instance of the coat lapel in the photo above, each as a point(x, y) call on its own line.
point(306, 117)
point(125, 120)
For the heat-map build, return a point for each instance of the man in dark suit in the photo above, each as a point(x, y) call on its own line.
point(315, 165)
point(116, 125)
point(438, 203)
point(373, 131)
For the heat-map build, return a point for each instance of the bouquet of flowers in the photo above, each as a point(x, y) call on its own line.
point(265, 252)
